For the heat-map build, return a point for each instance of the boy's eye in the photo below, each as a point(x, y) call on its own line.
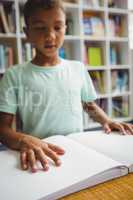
point(58, 28)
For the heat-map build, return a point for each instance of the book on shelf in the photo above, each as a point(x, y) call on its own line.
point(89, 159)
point(93, 26)
point(117, 4)
point(6, 57)
point(87, 26)
point(4, 19)
point(26, 51)
point(62, 53)
point(21, 22)
point(115, 25)
point(7, 17)
point(103, 103)
point(11, 16)
point(85, 57)
point(120, 81)
point(120, 106)
point(113, 55)
point(111, 3)
point(69, 24)
point(94, 56)
point(2, 59)
point(98, 78)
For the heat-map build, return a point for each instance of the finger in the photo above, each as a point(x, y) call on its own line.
point(129, 128)
point(23, 160)
point(42, 158)
point(53, 156)
point(106, 128)
point(128, 132)
point(57, 149)
point(31, 160)
point(120, 128)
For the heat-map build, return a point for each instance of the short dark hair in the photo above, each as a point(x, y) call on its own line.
point(31, 6)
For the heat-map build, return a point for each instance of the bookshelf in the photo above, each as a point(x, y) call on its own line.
point(96, 28)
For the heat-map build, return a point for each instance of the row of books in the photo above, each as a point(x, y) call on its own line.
point(6, 57)
point(93, 55)
point(120, 81)
point(103, 103)
point(99, 81)
point(115, 26)
point(114, 55)
point(7, 17)
point(93, 26)
point(120, 107)
point(117, 4)
point(69, 24)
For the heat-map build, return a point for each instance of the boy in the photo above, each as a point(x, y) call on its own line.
point(48, 91)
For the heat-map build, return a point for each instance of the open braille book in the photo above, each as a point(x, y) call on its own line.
point(91, 158)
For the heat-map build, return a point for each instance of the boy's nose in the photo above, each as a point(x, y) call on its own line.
point(50, 35)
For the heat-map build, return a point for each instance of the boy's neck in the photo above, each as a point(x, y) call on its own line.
point(46, 61)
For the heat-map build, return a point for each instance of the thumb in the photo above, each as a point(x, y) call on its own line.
point(106, 128)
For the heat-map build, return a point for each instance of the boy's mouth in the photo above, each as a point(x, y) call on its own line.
point(49, 46)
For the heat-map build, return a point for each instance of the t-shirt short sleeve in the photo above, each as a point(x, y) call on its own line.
point(88, 93)
point(8, 102)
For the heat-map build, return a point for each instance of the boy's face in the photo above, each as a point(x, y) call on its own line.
point(46, 30)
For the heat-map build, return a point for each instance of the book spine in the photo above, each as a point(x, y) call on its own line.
point(4, 19)
point(2, 59)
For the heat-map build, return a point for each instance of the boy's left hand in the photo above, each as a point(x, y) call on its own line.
point(124, 128)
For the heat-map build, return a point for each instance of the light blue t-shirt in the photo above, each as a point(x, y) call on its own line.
point(48, 99)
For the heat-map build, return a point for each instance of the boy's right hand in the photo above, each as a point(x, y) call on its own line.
point(33, 149)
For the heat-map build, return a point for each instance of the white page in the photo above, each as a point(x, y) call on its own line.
point(78, 163)
point(118, 147)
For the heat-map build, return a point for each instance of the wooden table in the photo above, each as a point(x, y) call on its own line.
point(117, 189)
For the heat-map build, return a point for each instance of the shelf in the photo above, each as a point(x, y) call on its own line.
point(72, 37)
point(94, 9)
point(102, 96)
point(118, 39)
point(118, 11)
point(120, 66)
point(8, 35)
point(93, 38)
point(121, 94)
point(95, 68)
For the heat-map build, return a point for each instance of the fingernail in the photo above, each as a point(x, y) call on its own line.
point(58, 163)
point(24, 166)
point(34, 170)
point(46, 168)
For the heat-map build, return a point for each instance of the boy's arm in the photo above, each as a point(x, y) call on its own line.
point(31, 148)
point(98, 115)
